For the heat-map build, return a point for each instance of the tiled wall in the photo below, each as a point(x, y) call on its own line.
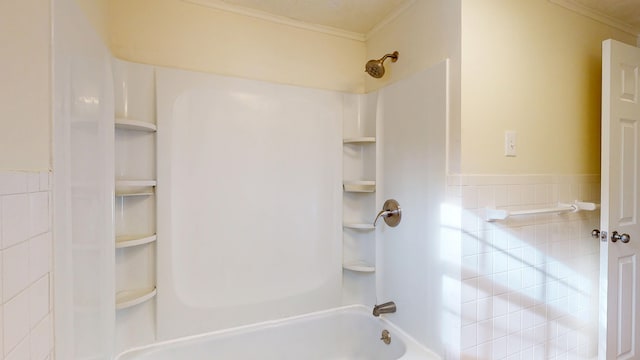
point(26, 318)
point(529, 283)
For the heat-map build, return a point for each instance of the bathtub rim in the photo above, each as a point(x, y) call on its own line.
point(414, 349)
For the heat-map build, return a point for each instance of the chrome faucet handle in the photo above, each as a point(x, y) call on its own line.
point(383, 213)
point(391, 213)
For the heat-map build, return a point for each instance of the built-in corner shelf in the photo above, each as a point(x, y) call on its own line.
point(134, 193)
point(136, 125)
point(360, 140)
point(126, 188)
point(359, 266)
point(135, 183)
point(128, 298)
point(363, 186)
point(130, 241)
point(358, 226)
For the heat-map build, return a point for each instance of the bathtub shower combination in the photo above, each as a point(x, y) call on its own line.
point(338, 334)
point(244, 213)
point(256, 236)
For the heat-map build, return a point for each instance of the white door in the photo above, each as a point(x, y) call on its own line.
point(619, 269)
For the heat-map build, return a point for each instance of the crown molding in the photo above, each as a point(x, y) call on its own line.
point(389, 18)
point(241, 10)
point(598, 16)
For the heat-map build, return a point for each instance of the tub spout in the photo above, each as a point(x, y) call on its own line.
point(386, 308)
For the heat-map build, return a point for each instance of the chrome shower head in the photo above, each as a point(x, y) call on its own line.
point(375, 68)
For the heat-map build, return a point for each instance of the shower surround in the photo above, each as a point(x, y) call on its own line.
point(436, 272)
point(249, 192)
point(249, 195)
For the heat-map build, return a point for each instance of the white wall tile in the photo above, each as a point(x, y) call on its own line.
point(41, 340)
point(470, 267)
point(1, 330)
point(485, 286)
point(13, 183)
point(500, 305)
point(499, 348)
point(485, 331)
point(469, 290)
point(485, 309)
point(485, 350)
point(514, 322)
point(20, 352)
point(486, 196)
point(33, 182)
point(15, 270)
point(469, 313)
point(39, 217)
point(16, 321)
point(26, 329)
point(502, 195)
point(485, 264)
point(45, 181)
point(500, 326)
point(514, 342)
point(500, 262)
point(514, 194)
point(469, 197)
point(15, 219)
point(528, 194)
point(38, 301)
point(524, 305)
point(40, 256)
point(500, 283)
point(468, 337)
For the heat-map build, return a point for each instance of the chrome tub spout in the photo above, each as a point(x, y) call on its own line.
point(386, 308)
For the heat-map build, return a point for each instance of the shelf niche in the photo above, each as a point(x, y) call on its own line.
point(131, 241)
point(359, 226)
point(360, 186)
point(129, 298)
point(360, 140)
point(359, 266)
point(135, 125)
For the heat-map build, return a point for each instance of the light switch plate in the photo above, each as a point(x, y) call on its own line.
point(510, 144)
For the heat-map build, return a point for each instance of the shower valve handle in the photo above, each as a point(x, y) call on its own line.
point(391, 213)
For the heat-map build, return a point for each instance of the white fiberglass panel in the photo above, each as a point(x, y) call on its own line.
point(83, 143)
point(249, 195)
point(411, 148)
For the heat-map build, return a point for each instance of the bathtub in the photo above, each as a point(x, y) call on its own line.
point(345, 333)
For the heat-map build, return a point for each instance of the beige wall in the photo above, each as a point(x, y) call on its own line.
point(533, 67)
point(425, 34)
point(25, 100)
point(178, 34)
point(529, 66)
point(97, 12)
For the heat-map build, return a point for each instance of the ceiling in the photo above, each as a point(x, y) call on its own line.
point(361, 16)
point(624, 11)
point(358, 16)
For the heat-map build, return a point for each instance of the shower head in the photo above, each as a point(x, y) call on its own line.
point(375, 68)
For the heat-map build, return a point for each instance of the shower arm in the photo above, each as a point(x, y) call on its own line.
point(394, 57)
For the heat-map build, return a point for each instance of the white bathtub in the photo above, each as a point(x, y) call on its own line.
point(346, 333)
